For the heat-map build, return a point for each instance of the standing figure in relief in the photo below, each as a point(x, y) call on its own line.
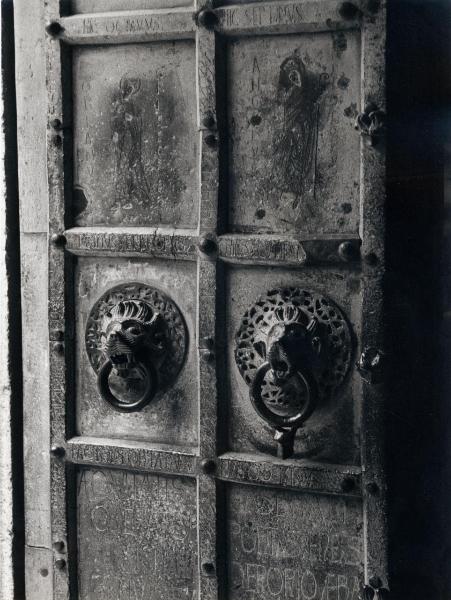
point(295, 144)
point(131, 184)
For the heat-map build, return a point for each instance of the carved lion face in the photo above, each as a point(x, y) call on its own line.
point(292, 341)
point(131, 330)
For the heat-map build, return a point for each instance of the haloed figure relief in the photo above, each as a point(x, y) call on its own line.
point(127, 131)
point(143, 143)
point(300, 93)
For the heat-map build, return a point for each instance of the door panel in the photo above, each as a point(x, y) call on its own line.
point(290, 141)
point(216, 185)
point(331, 433)
point(174, 416)
point(137, 535)
point(135, 142)
point(288, 545)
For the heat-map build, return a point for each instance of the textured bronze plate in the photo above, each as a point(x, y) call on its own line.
point(294, 154)
point(135, 154)
point(293, 546)
point(326, 434)
point(136, 536)
point(172, 415)
point(90, 6)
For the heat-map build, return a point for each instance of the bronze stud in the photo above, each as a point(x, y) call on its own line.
point(207, 245)
point(211, 141)
point(56, 124)
point(208, 466)
point(58, 347)
point(58, 546)
point(57, 451)
point(54, 28)
point(207, 18)
point(209, 121)
point(57, 335)
point(58, 239)
point(57, 141)
point(348, 251)
point(208, 568)
point(60, 563)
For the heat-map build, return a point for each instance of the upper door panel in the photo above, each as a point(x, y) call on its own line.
point(135, 145)
point(293, 151)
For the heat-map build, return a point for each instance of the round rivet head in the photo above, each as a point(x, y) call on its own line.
point(347, 485)
point(348, 251)
point(208, 466)
point(58, 546)
point(209, 121)
point(57, 141)
point(56, 124)
point(208, 568)
point(207, 245)
point(207, 18)
point(211, 141)
point(57, 451)
point(348, 10)
point(60, 563)
point(58, 347)
point(54, 28)
point(58, 239)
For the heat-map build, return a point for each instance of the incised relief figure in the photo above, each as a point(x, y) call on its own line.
point(300, 94)
point(144, 174)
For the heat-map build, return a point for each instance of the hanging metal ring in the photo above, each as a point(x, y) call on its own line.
point(151, 378)
point(294, 421)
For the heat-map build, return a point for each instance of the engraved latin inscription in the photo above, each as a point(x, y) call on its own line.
point(293, 546)
point(136, 536)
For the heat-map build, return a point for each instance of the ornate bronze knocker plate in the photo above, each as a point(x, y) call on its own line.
point(293, 348)
point(136, 342)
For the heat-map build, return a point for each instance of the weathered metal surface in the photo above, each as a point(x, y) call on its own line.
point(252, 469)
point(293, 349)
point(374, 398)
point(172, 416)
point(330, 433)
point(180, 244)
point(292, 106)
point(149, 137)
point(136, 536)
point(285, 17)
point(126, 27)
point(135, 137)
point(287, 545)
point(135, 336)
point(132, 241)
point(140, 456)
point(91, 6)
point(206, 318)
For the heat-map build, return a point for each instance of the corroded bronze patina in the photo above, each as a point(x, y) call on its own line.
point(136, 336)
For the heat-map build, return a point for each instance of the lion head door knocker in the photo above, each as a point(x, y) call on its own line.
point(293, 348)
point(136, 342)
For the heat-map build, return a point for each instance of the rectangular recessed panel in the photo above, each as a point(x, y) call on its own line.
point(135, 135)
point(171, 417)
point(293, 546)
point(136, 536)
point(331, 432)
point(90, 6)
point(294, 154)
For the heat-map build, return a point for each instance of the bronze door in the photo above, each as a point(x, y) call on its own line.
point(216, 183)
